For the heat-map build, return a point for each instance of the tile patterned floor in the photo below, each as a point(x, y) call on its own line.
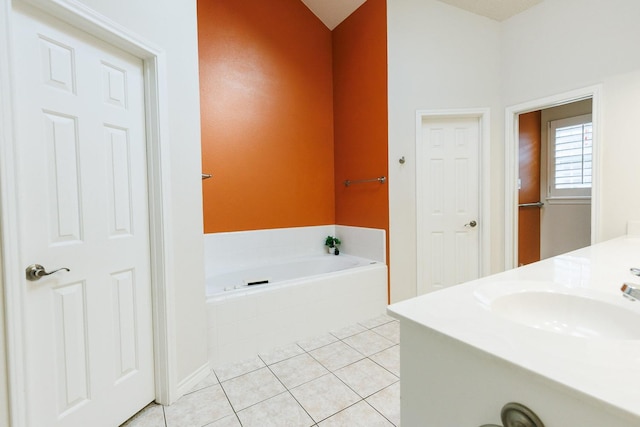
point(349, 377)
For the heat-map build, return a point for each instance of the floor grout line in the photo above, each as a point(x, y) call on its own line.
point(380, 413)
point(289, 391)
point(329, 372)
point(164, 417)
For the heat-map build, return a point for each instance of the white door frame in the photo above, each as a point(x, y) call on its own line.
point(158, 176)
point(483, 116)
point(512, 164)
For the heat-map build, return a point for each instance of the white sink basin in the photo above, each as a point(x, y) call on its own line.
point(569, 315)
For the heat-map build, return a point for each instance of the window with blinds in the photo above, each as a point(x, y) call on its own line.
point(570, 158)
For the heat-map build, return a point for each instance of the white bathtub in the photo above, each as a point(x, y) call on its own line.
point(304, 297)
point(279, 273)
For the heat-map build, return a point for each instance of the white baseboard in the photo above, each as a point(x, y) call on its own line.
point(190, 382)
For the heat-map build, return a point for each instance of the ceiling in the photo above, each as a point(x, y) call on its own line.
point(333, 12)
point(498, 10)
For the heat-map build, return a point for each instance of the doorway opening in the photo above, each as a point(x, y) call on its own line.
point(543, 217)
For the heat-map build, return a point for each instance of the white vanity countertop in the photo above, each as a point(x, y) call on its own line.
point(605, 368)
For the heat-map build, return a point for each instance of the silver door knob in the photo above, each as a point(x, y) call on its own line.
point(517, 415)
point(36, 271)
point(472, 224)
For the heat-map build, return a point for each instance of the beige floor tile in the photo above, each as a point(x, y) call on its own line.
point(358, 415)
point(368, 342)
point(366, 377)
point(317, 342)
point(377, 321)
point(233, 370)
point(151, 416)
point(335, 356)
point(252, 388)
point(282, 353)
point(389, 359)
point(229, 421)
point(298, 370)
point(210, 380)
point(348, 331)
point(279, 411)
point(199, 408)
point(324, 396)
point(390, 331)
point(387, 402)
point(256, 387)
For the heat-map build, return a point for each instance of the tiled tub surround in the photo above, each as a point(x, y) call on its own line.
point(349, 377)
point(242, 323)
point(245, 249)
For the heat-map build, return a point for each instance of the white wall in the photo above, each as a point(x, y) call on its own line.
point(439, 57)
point(4, 391)
point(561, 45)
point(172, 25)
point(621, 171)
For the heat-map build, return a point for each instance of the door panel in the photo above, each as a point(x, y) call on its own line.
point(529, 174)
point(450, 194)
point(81, 153)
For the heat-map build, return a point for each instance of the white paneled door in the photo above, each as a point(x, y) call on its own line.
point(449, 196)
point(82, 184)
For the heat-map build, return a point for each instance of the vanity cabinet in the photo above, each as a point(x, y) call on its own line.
point(556, 336)
point(447, 383)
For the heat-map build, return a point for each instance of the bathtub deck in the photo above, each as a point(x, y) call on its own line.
point(347, 377)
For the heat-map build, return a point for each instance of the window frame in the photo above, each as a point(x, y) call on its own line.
point(570, 195)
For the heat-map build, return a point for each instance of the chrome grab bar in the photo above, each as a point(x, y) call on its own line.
point(531, 205)
point(380, 179)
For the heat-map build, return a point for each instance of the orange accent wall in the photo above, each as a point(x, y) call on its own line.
point(361, 119)
point(289, 111)
point(360, 116)
point(267, 115)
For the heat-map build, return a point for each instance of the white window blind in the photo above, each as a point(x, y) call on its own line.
point(570, 157)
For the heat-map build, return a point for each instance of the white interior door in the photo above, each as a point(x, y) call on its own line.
point(81, 152)
point(448, 213)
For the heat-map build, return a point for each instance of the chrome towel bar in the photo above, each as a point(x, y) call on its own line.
point(531, 205)
point(380, 179)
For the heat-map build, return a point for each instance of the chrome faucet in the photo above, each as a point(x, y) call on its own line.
point(631, 290)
